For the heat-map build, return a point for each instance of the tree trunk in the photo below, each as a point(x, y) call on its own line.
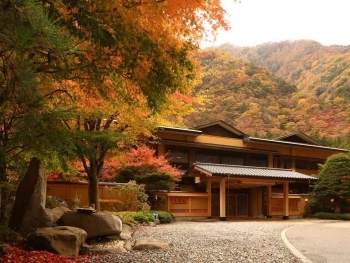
point(4, 198)
point(94, 200)
point(4, 195)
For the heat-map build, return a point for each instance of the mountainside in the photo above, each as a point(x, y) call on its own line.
point(321, 71)
point(314, 98)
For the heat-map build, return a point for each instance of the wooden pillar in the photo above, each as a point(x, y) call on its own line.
point(168, 203)
point(293, 164)
point(270, 161)
point(223, 199)
point(285, 200)
point(268, 200)
point(209, 196)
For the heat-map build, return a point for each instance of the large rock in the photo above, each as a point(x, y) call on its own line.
point(63, 240)
point(57, 212)
point(95, 224)
point(29, 212)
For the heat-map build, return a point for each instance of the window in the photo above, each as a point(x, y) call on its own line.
point(282, 162)
point(233, 160)
point(207, 158)
point(307, 164)
point(178, 157)
point(258, 160)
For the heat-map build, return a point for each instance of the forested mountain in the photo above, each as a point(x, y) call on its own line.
point(276, 88)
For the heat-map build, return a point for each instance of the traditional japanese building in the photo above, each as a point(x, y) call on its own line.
point(228, 174)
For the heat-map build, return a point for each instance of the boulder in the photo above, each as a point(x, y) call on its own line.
point(63, 240)
point(95, 224)
point(28, 211)
point(150, 244)
point(126, 234)
point(57, 212)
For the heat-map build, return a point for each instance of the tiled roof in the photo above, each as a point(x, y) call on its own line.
point(250, 171)
point(261, 140)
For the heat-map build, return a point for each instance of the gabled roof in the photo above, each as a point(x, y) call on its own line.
point(211, 169)
point(223, 125)
point(298, 137)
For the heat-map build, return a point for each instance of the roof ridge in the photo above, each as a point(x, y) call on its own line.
point(244, 166)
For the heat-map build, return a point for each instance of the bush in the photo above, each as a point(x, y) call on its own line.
point(164, 217)
point(312, 207)
point(9, 236)
point(140, 217)
point(332, 216)
point(144, 217)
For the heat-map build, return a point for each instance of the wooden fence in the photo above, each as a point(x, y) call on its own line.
point(76, 194)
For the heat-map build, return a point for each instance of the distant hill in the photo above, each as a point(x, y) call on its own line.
point(322, 71)
point(276, 88)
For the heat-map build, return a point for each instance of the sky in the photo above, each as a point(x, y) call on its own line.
point(254, 22)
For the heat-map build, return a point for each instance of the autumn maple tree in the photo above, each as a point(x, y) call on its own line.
point(132, 61)
point(141, 165)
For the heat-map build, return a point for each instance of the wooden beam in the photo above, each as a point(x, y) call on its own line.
point(203, 171)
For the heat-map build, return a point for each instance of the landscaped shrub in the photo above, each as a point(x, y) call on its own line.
point(332, 216)
point(312, 206)
point(130, 217)
point(143, 217)
point(164, 217)
point(9, 236)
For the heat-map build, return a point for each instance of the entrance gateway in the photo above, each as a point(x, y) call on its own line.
point(242, 191)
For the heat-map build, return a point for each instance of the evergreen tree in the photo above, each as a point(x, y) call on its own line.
point(334, 179)
point(31, 49)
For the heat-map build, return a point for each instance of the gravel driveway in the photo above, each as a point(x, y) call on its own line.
point(209, 242)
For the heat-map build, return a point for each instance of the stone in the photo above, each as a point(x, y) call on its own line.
point(126, 234)
point(57, 212)
point(116, 247)
point(150, 244)
point(95, 224)
point(28, 212)
point(63, 240)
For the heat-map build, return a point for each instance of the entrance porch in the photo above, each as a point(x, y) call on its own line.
point(239, 192)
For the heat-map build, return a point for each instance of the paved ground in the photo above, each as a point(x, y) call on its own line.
point(321, 241)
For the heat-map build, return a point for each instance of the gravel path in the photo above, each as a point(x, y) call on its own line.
point(210, 242)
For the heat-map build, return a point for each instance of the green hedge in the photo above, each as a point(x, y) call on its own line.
point(332, 216)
